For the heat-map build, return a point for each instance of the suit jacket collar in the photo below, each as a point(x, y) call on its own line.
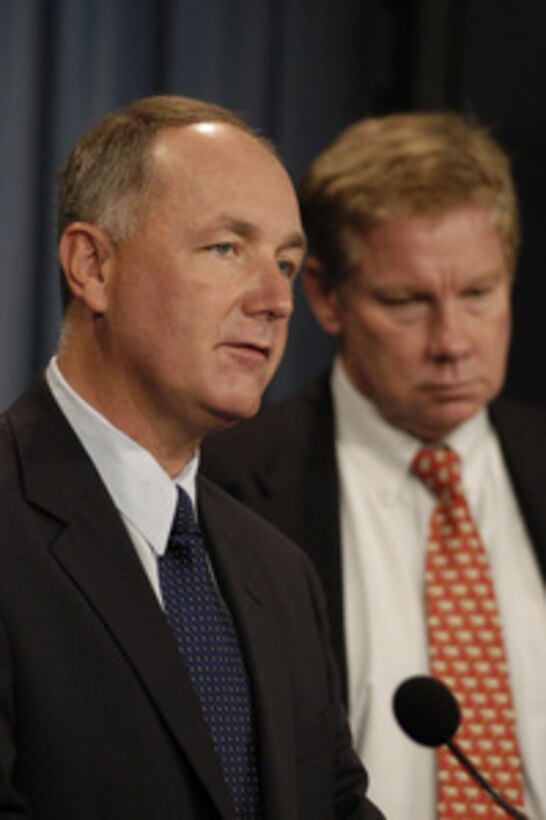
point(91, 545)
point(522, 435)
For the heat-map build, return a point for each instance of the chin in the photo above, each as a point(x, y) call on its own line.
point(442, 427)
point(226, 414)
point(247, 411)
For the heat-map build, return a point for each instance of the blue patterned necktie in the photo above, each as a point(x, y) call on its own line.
point(206, 636)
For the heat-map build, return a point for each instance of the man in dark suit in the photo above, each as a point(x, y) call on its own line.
point(179, 239)
point(413, 231)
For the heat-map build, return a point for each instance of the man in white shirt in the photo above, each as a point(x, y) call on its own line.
point(180, 236)
point(413, 230)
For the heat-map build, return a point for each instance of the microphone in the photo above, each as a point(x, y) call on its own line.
point(427, 711)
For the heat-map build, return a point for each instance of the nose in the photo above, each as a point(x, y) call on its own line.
point(270, 294)
point(449, 339)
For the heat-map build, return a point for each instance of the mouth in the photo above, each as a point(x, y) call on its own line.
point(249, 352)
point(453, 391)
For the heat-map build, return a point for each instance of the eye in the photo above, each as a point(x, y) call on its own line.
point(287, 268)
point(223, 248)
point(400, 301)
point(477, 293)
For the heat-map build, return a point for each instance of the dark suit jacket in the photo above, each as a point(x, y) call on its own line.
point(282, 464)
point(98, 720)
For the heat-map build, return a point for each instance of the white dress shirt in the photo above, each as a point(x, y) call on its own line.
point(385, 513)
point(143, 493)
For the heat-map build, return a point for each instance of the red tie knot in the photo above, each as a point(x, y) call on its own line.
point(439, 468)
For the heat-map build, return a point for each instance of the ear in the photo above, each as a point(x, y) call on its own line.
point(85, 254)
point(323, 299)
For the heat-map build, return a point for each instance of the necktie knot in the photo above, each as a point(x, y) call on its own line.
point(184, 522)
point(439, 468)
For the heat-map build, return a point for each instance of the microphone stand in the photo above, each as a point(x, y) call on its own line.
point(494, 795)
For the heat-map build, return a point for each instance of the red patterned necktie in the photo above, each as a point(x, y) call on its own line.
point(466, 648)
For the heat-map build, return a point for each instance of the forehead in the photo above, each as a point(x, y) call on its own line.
point(464, 239)
point(206, 150)
point(217, 165)
point(204, 138)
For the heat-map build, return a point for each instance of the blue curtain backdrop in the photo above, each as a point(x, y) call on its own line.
point(300, 70)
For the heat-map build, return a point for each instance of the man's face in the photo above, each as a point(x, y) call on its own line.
point(425, 321)
point(198, 302)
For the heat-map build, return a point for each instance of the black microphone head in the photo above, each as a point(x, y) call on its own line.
point(426, 710)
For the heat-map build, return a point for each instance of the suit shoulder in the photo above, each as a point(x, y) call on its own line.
point(519, 423)
point(272, 418)
point(8, 454)
point(228, 508)
point(263, 535)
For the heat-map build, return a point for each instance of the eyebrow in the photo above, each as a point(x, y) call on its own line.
point(296, 241)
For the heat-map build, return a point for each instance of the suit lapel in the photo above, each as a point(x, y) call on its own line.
point(242, 588)
point(94, 550)
point(522, 434)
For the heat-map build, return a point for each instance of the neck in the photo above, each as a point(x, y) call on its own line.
point(168, 440)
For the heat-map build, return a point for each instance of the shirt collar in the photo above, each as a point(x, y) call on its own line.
point(388, 450)
point(142, 491)
point(472, 442)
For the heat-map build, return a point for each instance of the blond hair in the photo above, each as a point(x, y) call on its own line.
point(403, 165)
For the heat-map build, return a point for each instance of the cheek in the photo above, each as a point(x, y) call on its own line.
point(381, 348)
point(395, 348)
point(138, 301)
point(384, 360)
point(495, 337)
point(497, 352)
